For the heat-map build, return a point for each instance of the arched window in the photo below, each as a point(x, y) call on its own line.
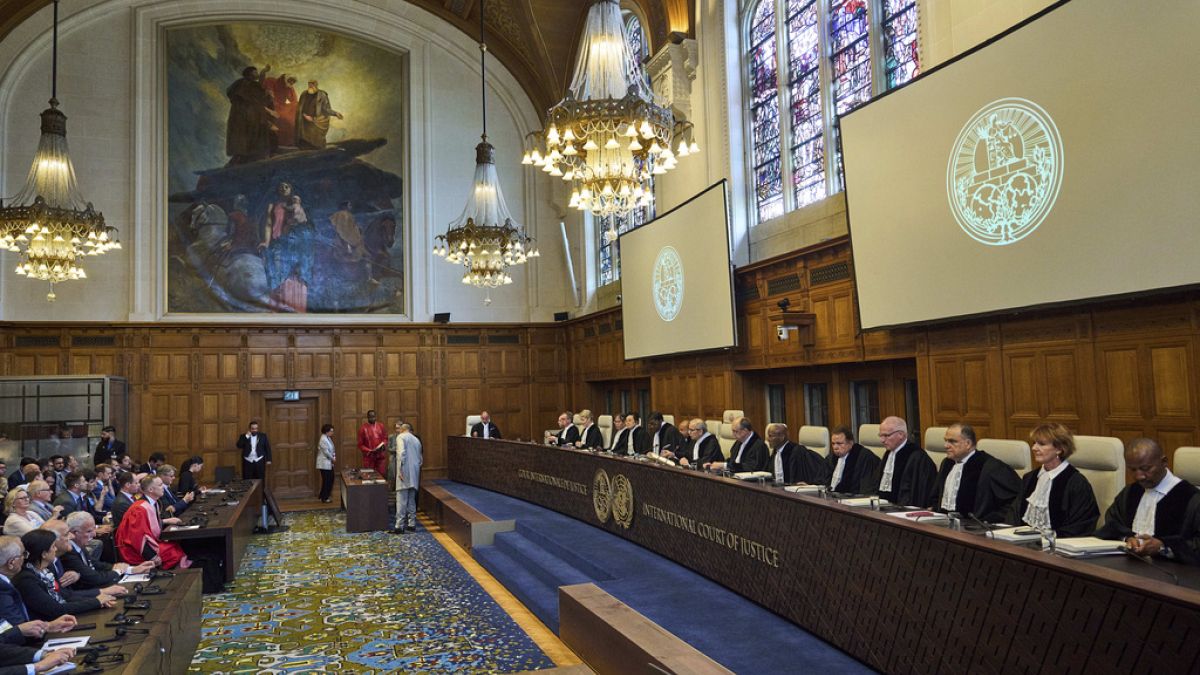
point(833, 56)
point(608, 228)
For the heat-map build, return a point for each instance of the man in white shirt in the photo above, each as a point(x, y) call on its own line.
point(256, 452)
point(972, 481)
point(1159, 513)
point(704, 449)
point(749, 453)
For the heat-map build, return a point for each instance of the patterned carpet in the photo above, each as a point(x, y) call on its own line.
point(315, 599)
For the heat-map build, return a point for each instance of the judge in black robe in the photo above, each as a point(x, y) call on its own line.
point(1073, 510)
point(1176, 528)
point(860, 475)
point(568, 433)
point(792, 462)
point(748, 453)
point(493, 431)
point(590, 437)
point(664, 433)
point(704, 448)
point(988, 486)
point(635, 441)
point(619, 430)
point(913, 472)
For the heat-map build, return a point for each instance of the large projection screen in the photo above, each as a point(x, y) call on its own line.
point(1059, 163)
point(677, 280)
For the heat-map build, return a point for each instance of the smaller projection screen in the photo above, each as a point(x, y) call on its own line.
point(677, 280)
point(1058, 164)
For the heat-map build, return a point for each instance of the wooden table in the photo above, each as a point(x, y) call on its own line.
point(172, 625)
point(365, 498)
point(902, 597)
point(229, 526)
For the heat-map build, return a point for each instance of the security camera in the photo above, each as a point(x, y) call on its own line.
point(784, 304)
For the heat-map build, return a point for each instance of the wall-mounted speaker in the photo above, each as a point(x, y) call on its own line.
point(441, 317)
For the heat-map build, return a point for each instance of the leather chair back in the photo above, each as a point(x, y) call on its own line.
point(935, 444)
point(1101, 459)
point(1013, 453)
point(669, 419)
point(724, 437)
point(605, 424)
point(472, 420)
point(815, 439)
point(868, 437)
point(729, 416)
point(1187, 464)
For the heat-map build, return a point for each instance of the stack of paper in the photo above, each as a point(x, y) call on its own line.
point(804, 489)
point(753, 475)
point(1089, 545)
point(919, 516)
point(862, 501)
point(1011, 533)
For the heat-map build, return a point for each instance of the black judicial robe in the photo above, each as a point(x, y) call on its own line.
point(592, 438)
point(913, 477)
point(618, 441)
point(987, 490)
point(641, 442)
point(710, 451)
point(493, 430)
point(669, 438)
point(1073, 510)
point(861, 475)
point(801, 465)
point(755, 457)
point(1176, 519)
point(567, 436)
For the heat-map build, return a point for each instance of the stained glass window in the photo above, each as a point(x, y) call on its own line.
point(636, 36)
point(610, 252)
point(828, 55)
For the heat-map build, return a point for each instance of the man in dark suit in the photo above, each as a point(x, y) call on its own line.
point(635, 440)
point(618, 438)
point(749, 453)
point(151, 466)
point(12, 607)
point(590, 438)
point(972, 481)
point(73, 498)
point(664, 437)
point(568, 433)
point(704, 448)
point(108, 447)
point(92, 573)
point(256, 452)
point(17, 477)
point(853, 468)
point(127, 492)
point(485, 428)
point(908, 475)
point(792, 462)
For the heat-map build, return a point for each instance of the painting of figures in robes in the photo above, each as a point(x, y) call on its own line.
point(284, 159)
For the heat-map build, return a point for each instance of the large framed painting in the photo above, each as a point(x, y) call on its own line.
point(285, 160)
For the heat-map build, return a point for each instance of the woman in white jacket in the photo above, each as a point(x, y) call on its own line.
point(326, 456)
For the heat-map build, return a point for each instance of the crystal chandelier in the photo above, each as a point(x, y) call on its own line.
point(609, 135)
point(484, 239)
point(48, 222)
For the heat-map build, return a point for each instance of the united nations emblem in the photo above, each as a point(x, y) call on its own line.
point(622, 501)
point(602, 495)
point(1005, 170)
point(668, 283)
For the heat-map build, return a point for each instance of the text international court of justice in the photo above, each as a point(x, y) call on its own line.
point(599, 336)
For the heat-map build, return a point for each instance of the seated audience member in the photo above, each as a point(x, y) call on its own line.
point(139, 534)
point(853, 468)
point(100, 493)
point(568, 433)
point(39, 499)
point(1159, 513)
point(62, 546)
point(485, 428)
point(665, 439)
point(17, 477)
point(3, 478)
point(92, 573)
point(748, 453)
point(12, 608)
point(793, 463)
point(908, 474)
point(704, 449)
point(127, 492)
point(21, 518)
point(43, 596)
point(1056, 497)
point(636, 441)
point(73, 498)
point(972, 481)
point(173, 504)
point(618, 432)
point(189, 474)
point(156, 460)
point(590, 437)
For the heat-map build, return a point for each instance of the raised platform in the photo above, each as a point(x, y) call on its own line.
point(547, 552)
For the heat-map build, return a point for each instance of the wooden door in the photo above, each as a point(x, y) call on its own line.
point(292, 427)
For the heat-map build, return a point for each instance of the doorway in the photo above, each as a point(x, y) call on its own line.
point(293, 429)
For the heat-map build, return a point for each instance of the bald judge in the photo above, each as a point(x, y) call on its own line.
point(1159, 513)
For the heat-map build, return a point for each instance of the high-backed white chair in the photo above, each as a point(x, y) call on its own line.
point(724, 437)
point(1013, 453)
point(577, 420)
point(605, 424)
point(935, 444)
point(1101, 460)
point(669, 419)
point(729, 416)
point(868, 437)
point(815, 439)
point(1187, 464)
point(714, 427)
point(472, 420)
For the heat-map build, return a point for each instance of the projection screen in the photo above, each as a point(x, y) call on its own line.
point(1058, 163)
point(677, 280)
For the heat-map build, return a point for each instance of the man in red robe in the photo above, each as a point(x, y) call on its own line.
point(372, 442)
point(138, 537)
point(284, 96)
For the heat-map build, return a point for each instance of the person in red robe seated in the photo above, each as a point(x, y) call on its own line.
point(138, 537)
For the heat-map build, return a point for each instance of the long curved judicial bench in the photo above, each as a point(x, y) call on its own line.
point(901, 597)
